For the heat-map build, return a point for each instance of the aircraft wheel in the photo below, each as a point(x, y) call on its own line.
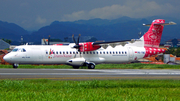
point(15, 65)
point(76, 67)
point(91, 66)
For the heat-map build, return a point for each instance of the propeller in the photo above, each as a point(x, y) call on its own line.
point(77, 46)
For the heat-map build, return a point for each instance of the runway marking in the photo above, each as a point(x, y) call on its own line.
point(86, 74)
point(100, 78)
point(146, 73)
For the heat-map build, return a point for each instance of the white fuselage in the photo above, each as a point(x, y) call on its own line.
point(51, 54)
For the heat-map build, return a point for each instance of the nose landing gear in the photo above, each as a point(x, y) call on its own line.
point(15, 65)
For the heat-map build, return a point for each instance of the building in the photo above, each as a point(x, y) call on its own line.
point(4, 45)
point(2, 54)
point(172, 43)
point(45, 42)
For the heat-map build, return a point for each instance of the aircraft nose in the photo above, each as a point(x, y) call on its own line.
point(7, 58)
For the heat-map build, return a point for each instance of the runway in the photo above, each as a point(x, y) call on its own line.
point(87, 74)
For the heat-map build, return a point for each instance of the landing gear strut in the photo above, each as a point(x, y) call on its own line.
point(15, 65)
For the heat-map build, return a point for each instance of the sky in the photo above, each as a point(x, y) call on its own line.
point(34, 14)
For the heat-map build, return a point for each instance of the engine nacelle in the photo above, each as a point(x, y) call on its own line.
point(88, 46)
point(76, 61)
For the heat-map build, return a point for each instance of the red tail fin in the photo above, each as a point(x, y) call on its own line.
point(152, 37)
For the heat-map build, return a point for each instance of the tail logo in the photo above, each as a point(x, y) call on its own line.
point(153, 37)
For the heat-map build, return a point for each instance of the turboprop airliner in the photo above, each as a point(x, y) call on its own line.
point(91, 53)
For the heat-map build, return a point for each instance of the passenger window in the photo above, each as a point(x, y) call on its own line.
point(76, 52)
point(46, 52)
point(59, 52)
point(122, 52)
point(73, 52)
point(87, 52)
point(125, 52)
point(119, 52)
point(113, 52)
point(116, 52)
point(110, 52)
point(100, 52)
point(103, 52)
point(56, 52)
point(107, 52)
point(90, 52)
point(83, 52)
point(70, 52)
point(63, 52)
point(66, 52)
point(97, 52)
point(93, 52)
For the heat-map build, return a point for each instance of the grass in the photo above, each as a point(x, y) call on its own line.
point(103, 66)
point(103, 90)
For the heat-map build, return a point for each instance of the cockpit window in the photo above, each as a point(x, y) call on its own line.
point(15, 50)
point(23, 50)
point(19, 49)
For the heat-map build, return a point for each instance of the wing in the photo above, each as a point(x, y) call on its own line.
point(114, 43)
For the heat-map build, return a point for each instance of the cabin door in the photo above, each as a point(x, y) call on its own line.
point(131, 55)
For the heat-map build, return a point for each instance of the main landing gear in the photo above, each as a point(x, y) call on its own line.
point(89, 65)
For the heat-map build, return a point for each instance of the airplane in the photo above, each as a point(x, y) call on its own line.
point(91, 53)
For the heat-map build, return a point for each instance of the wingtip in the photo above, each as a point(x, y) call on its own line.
point(172, 23)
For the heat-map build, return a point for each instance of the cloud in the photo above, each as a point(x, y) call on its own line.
point(40, 20)
point(134, 9)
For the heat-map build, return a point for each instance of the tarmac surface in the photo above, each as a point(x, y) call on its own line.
point(89, 74)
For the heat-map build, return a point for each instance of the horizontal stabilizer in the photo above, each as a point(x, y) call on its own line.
point(170, 23)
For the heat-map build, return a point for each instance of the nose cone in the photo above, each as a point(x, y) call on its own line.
point(7, 58)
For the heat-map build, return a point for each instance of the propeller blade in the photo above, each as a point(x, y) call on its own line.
point(74, 39)
point(77, 46)
point(78, 39)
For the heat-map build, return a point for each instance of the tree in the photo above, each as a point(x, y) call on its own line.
point(175, 42)
point(173, 51)
point(93, 39)
point(66, 39)
point(7, 40)
point(55, 40)
point(178, 52)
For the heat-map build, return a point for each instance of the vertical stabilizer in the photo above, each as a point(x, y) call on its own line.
point(152, 37)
